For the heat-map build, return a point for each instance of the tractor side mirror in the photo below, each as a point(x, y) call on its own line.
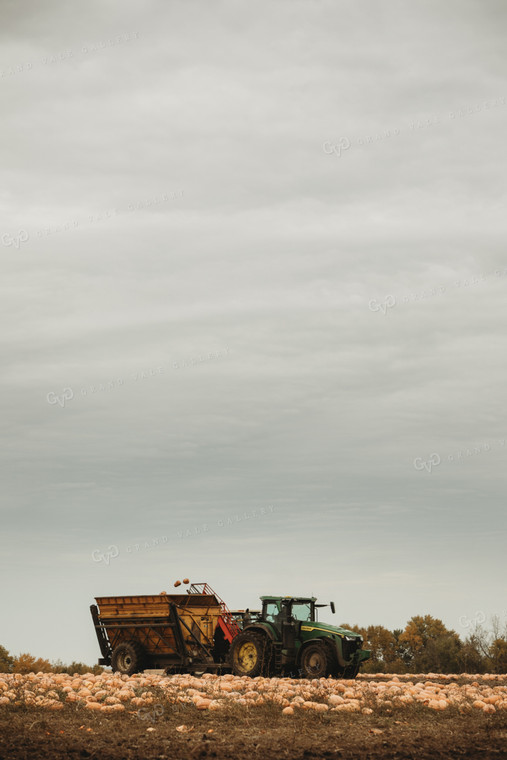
point(331, 604)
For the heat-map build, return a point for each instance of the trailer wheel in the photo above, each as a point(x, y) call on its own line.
point(128, 658)
point(250, 654)
point(316, 661)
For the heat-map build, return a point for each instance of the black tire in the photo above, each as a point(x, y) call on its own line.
point(350, 672)
point(316, 661)
point(250, 654)
point(332, 658)
point(128, 658)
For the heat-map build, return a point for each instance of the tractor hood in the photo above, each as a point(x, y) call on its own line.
point(325, 628)
point(350, 650)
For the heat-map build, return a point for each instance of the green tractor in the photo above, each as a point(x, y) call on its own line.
point(285, 638)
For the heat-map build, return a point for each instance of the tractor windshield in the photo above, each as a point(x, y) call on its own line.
point(272, 612)
point(302, 611)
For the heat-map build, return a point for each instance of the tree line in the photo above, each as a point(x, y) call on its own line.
point(425, 645)
point(27, 663)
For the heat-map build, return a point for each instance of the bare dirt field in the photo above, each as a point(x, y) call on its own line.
point(225, 717)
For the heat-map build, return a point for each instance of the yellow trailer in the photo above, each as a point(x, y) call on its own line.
point(177, 632)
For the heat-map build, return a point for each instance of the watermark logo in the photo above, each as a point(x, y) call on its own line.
point(17, 240)
point(150, 713)
point(111, 553)
point(69, 55)
point(428, 464)
point(67, 395)
point(342, 144)
point(467, 622)
point(457, 457)
point(435, 291)
point(114, 551)
point(295, 674)
point(414, 125)
point(387, 303)
point(108, 214)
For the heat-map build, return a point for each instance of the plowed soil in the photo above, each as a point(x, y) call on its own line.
point(240, 733)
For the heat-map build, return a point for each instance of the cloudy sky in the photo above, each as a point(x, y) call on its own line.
point(253, 288)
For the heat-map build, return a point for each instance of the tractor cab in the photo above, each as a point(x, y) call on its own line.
point(287, 609)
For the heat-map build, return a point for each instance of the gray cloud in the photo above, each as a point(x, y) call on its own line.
point(207, 312)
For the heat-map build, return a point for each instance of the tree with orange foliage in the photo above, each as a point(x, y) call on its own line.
point(430, 646)
point(26, 663)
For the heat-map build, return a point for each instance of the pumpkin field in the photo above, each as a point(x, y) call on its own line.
point(153, 716)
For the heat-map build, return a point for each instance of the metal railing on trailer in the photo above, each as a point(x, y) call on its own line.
point(226, 621)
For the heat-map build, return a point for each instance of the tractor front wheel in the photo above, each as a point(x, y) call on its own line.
point(315, 661)
point(351, 672)
point(128, 658)
point(250, 654)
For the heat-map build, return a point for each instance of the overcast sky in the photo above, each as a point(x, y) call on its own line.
point(254, 308)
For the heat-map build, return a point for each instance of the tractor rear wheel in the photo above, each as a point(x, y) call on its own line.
point(316, 661)
point(250, 654)
point(128, 658)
